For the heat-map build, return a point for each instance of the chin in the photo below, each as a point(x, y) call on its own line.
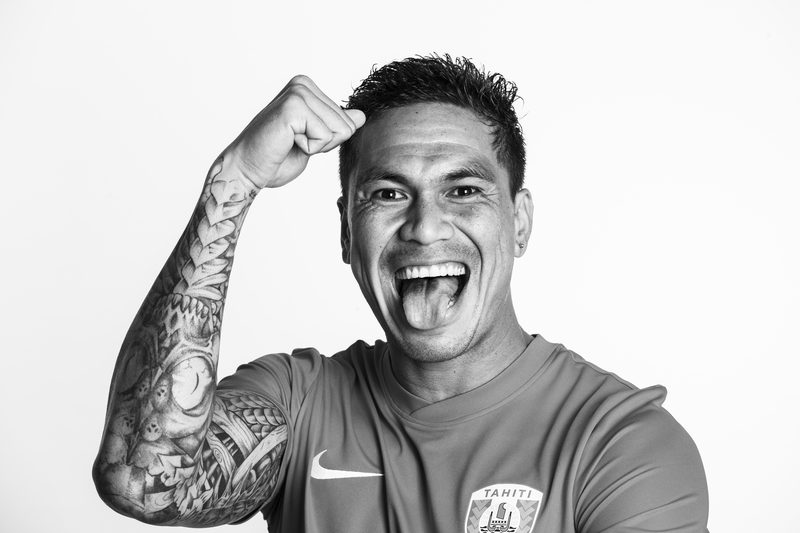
point(431, 348)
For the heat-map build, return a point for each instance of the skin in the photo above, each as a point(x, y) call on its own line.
point(428, 189)
point(177, 451)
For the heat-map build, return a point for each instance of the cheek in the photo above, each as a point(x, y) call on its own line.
point(369, 234)
point(489, 230)
point(494, 238)
point(366, 247)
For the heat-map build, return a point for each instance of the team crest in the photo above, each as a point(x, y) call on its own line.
point(503, 508)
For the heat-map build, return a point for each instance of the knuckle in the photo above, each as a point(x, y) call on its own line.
point(300, 79)
point(295, 98)
point(296, 89)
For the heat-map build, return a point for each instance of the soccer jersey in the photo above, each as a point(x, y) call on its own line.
point(551, 444)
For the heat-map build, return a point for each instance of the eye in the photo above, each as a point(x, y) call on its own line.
point(388, 195)
point(463, 191)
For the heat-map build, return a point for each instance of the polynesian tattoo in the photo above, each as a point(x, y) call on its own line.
point(176, 451)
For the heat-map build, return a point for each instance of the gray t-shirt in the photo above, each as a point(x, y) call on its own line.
point(552, 444)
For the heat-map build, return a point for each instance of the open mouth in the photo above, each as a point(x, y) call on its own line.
point(429, 291)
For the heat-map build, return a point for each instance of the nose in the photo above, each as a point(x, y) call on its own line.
point(427, 222)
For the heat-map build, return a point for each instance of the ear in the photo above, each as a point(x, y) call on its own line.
point(345, 230)
point(523, 221)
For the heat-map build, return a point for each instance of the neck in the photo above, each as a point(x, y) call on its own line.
point(439, 380)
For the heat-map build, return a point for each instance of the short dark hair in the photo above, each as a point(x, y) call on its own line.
point(442, 79)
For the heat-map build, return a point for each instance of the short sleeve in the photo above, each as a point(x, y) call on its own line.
point(640, 471)
point(282, 378)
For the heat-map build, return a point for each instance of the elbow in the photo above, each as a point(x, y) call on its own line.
point(125, 489)
point(121, 487)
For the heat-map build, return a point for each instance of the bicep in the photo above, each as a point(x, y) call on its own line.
point(238, 466)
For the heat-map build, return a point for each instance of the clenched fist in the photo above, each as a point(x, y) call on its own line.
point(300, 122)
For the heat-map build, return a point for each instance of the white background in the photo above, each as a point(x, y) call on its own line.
point(664, 158)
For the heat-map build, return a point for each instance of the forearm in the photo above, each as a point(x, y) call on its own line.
point(174, 450)
point(162, 391)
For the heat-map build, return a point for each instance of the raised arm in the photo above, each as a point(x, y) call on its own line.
point(174, 450)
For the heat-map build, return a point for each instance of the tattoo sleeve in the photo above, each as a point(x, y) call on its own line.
point(175, 451)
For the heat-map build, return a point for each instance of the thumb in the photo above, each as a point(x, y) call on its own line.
point(357, 116)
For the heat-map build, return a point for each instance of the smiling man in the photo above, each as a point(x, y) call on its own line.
point(460, 420)
point(432, 224)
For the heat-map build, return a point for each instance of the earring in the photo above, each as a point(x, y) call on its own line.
point(522, 245)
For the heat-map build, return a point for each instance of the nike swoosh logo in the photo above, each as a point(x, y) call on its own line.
point(320, 472)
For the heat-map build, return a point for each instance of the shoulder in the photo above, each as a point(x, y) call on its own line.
point(634, 467)
point(358, 354)
point(606, 401)
point(634, 423)
point(638, 468)
point(298, 370)
point(615, 408)
point(587, 374)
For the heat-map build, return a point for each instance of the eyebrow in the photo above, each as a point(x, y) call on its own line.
point(471, 170)
point(468, 170)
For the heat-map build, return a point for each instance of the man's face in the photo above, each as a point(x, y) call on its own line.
point(431, 230)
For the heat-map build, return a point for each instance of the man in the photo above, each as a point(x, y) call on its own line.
point(460, 421)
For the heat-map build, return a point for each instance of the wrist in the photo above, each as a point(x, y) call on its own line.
point(229, 167)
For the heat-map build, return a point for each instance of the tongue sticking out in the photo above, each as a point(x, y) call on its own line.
point(426, 300)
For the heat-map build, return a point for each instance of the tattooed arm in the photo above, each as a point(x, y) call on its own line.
point(176, 451)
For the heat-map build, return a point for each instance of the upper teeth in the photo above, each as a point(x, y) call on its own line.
point(443, 269)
